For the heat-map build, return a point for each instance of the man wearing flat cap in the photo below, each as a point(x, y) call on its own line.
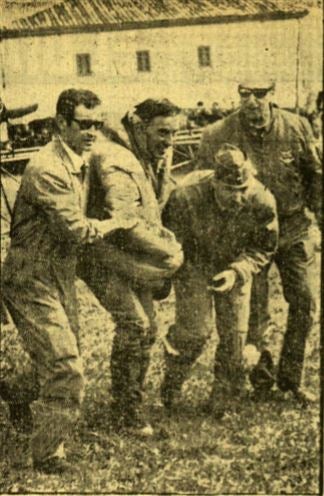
point(226, 222)
point(281, 146)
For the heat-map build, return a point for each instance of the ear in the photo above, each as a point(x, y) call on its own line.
point(61, 122)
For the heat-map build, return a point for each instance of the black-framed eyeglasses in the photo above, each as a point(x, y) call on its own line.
point(86, 124)
point(258, 93)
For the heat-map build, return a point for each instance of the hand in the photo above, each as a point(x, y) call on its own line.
point(227, 278)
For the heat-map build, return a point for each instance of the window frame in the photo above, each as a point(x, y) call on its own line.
point(83, 64)
point(143, 61)
point(204, 56)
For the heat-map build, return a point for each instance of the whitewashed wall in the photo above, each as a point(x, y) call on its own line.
point(38, 68)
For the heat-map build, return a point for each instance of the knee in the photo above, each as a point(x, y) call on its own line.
point(67, 382)
point(188, 345)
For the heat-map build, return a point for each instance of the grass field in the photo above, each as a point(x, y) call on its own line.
point(263, 448)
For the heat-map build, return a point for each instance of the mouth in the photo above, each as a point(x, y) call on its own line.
point(87, 143)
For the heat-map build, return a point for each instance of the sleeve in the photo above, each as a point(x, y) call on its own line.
point(123, 198)
point(312, 170)
point(262, 243)
point(56, 198)
point(174, 215)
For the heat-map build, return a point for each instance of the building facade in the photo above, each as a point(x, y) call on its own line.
point(186, 58)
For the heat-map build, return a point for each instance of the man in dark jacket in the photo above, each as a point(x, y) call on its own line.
point(281, 145)
point(125, 273)
point(226, 222)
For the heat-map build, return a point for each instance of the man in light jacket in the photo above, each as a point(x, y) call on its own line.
point(38, 276)
point(126, 272)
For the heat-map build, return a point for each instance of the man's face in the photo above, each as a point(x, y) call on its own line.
point(255, 104)
point(160, 132)
point(230, 198)
point(81, 132)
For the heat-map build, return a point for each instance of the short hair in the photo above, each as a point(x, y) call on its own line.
point(71, 98)
point(150, 108)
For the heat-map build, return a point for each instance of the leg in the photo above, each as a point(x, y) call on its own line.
point(192, 328)
point(47, 337)
point(130, 351)
point(259, 315)
point(232, 317)
point(296, 266)
point(147, 302)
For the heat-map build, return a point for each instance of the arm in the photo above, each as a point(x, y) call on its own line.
point(55, 197)
point(263, 241)
point(122, 197)
point(312, 170)
point(174, 216)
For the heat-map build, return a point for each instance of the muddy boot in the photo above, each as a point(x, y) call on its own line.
point(262, 376)
point(177, 370)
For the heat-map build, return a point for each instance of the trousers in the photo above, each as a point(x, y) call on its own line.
point(194, 324)
point(47, 325)
point(295, 262)
point(132, 310)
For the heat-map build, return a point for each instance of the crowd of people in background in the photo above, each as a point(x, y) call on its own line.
point(38, 132)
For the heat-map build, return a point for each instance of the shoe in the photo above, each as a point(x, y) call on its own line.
point(54, 465)
point(144, 431)
point(219, 402)
point(131, 421)
point(262, 376)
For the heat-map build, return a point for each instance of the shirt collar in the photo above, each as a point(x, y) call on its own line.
point(76, 161)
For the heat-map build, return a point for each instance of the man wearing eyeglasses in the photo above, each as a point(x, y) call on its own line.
point(281, 146)
point(38, 278)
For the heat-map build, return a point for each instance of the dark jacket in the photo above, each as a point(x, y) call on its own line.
point(284, 156)
point(214, 239)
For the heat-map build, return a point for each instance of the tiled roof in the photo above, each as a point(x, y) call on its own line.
point(76, 14)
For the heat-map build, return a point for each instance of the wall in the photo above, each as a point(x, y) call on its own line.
point(38, 68)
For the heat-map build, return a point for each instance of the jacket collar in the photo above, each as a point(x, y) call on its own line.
point(75, 161)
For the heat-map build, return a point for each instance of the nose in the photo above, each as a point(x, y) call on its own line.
point(252, 100)
point(92, 129)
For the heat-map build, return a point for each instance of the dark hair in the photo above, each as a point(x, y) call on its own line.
point(151, 108)
point(71, 98)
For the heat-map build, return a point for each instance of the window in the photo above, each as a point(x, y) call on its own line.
point(143, 61)
point(204, 56)
point(83, 64)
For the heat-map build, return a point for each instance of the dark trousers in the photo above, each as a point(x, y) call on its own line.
point(295, 261)
point(196, 309)
point(132, 310)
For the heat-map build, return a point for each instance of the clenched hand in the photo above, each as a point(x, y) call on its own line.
point(224, 281)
